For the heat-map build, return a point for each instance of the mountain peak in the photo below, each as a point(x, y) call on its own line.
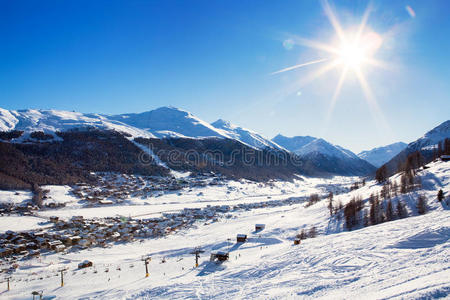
point(292, 143)
point(380, 155)
point(222, 124)
point(441, 131)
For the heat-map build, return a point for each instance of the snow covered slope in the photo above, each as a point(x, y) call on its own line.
point(246, 136)
point(431, 138)
point(171, 122)
point(426, 144)
point(325, 148)
point(401, 259)
point(51, 121)
point(327, 157)
point(292, 143)
point(380, 155)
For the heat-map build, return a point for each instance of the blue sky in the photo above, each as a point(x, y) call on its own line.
point(214, 58)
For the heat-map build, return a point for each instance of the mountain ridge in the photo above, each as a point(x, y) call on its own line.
point(426, 145)
point(380, 155)
point(331, 158)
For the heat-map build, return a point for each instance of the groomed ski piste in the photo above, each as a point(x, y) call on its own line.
point(401, 259)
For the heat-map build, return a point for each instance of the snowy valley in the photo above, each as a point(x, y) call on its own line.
point(115, 207)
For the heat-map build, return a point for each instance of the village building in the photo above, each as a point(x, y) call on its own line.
point(259, 227)
point(241, 238)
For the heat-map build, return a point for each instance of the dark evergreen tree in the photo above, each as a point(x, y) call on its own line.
point(389, 211)
point(401, 210)
point(381, 174)
point(440, 195)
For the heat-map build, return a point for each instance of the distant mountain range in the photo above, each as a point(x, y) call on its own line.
point(381, 155)
point(326, 156)
point(179, 129)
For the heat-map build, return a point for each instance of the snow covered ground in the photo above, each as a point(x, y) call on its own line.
point(15, 197)
point(233, 193)
point(21, 223)
point(406, 258)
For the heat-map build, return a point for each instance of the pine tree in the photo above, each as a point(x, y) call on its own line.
point(403, 184)
point(389, 211)
point(440, 195)
point(401, 210)
point(381, 174)
point(372, 212)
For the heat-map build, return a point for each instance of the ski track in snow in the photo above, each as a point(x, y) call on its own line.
point(407, 258)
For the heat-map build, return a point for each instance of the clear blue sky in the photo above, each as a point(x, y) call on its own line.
point(214, 58)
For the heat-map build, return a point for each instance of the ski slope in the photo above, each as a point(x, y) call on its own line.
point(406, 258)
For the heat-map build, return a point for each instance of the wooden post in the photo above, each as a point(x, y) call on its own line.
point(7, 280)
point(62, 278)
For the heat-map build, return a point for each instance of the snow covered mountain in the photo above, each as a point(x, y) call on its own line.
point(430, 140)
point(245, 136)
point(292, 143)
point(328, 157)
point(426, 145)
point(380, 155)
point(51, 121)
point(170, 122)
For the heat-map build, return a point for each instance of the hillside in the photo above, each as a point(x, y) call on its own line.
point(245, 136)
point(327, 158)
point(426, 145)
point(380, 155)
point(403, 258)
point(52, 121)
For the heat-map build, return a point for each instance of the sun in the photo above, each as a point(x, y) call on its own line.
point(353, 50)
point(358, 51)
point(351, 55)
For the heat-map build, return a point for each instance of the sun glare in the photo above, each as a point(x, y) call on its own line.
point(354, 51)
point(351, 55)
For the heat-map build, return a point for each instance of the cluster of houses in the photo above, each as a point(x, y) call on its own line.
point(24, 208)
point(121, 186)
point(80, 233)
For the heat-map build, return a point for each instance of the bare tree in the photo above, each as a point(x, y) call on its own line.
point(330, 203)
point(421, 205)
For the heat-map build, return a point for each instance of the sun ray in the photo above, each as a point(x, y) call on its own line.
point(315, 44)
point(300, 65)
point(353, 51)
point(337, 90)
point(334, 99)
point(378, 63)
point(362, 26)
point(323, 70)
point(334, 21)
point(377, 114)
